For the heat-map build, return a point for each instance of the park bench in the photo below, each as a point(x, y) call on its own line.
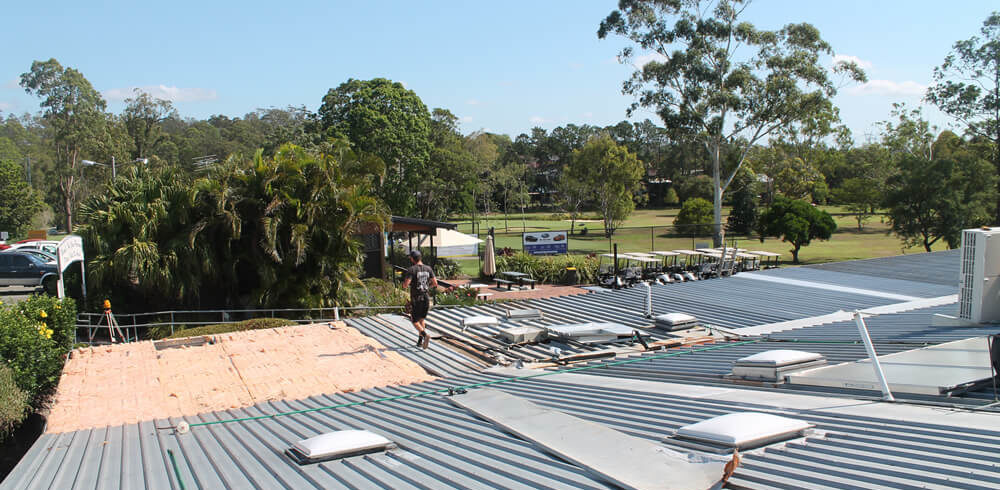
point(526, 280)
point(501, 282)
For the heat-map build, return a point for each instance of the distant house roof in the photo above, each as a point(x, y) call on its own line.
point(416, 225)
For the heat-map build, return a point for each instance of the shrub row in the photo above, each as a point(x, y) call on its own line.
point(14, 403)
point(35, 336)
point(252, 324)
point(550, 268)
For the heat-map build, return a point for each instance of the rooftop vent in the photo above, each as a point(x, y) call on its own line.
point(525, 314)
point(676, 321)
point(741, 430)
point(479, 321)
point(523, 335)
point(590, 331)
point(772, 365)
point(336, 445)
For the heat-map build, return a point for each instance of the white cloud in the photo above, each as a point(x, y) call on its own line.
point(6, 106)
point(173, 94)
point(538, 120)
point(643, 60)
point(466, 119)
point(889, 87)
point(837, 58)
point(588, 115)
point(473, 102)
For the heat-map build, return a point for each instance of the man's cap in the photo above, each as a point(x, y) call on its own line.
point(415, 255)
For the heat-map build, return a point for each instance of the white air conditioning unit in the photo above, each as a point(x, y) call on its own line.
point(979, 282)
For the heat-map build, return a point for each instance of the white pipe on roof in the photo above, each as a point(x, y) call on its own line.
point(863, 330)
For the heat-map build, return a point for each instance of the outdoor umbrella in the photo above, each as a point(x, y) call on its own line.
point(489, 260)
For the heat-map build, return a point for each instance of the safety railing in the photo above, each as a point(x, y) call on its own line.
point(90, 325)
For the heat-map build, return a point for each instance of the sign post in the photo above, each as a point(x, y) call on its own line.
point(70, 250)
point(545, 242)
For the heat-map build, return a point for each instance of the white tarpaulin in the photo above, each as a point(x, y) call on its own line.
point(448, 243)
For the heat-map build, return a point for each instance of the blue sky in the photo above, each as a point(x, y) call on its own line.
point(500, 66)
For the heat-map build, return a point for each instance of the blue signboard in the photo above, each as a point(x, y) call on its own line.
point(545, 242)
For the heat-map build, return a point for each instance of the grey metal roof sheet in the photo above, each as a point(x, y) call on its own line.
point(718, 302)
point(723, 302)
point(695, 364)
point(933, 267)
point(866, 281)
point(436, 359)
point(692, 365)
point(911, 326)
point(444, 446)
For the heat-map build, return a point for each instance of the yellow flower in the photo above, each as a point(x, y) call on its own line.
point(58, 307)
point(43, 314)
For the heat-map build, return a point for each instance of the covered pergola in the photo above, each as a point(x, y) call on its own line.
point(376, 242)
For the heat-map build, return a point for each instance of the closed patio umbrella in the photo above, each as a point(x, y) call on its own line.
point(489, 259)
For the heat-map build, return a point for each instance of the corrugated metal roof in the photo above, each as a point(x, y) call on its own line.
point(934, 267)
point(700, 365)
point(911, 326)
point(730, 303)
point(899, 286)
point(436, 359)
point(712, 368)
point(442, 446)
point(718, 302)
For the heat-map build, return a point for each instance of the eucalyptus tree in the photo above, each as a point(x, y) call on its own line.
point(74, 111)
point(143, 116)
point(721, 80)
point(967, 87)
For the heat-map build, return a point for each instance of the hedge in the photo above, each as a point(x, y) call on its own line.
point(252, 324)
point(550, 268)
point(35, 336)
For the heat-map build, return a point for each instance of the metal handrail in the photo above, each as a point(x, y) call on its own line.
point(128, 321)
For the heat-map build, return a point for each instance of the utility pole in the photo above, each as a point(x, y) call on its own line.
point(29, 169)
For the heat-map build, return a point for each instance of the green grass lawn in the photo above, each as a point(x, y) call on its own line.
point(846, 244)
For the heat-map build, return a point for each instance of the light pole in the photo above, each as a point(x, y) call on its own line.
point(114, 168)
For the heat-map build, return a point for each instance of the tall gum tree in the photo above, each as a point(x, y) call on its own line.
point(722, 81)
point(74, 111)
point(967, 87)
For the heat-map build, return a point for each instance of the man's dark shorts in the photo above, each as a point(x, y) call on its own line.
point(419, 306)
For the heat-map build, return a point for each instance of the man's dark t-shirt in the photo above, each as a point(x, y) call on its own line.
point(420, 282)
point(420, 276)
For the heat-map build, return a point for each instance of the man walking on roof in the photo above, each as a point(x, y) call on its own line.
point(420, 279)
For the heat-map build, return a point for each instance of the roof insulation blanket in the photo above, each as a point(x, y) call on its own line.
point(618, 458)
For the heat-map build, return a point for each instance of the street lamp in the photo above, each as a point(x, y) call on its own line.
point(114, 171)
